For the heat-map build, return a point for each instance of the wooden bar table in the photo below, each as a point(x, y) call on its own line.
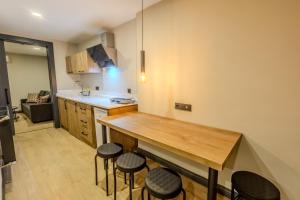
point(205, 145)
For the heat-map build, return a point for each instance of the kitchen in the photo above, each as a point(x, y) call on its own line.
point(207, 64)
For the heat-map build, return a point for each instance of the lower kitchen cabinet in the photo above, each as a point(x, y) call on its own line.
point(63, 115)
point(72, 113)
point(78, 119)
point(86, 124)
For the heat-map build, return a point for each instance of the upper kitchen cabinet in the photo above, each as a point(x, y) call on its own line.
point(94, 58)
point(69, 64)
point(81, 63)
point(76, 63)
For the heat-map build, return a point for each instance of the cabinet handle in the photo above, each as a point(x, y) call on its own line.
point(76, 107)
point(83, 121)
point(84, 133)
point(65, 105)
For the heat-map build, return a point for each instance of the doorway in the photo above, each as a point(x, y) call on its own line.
point(6, 93)
point(29, 83)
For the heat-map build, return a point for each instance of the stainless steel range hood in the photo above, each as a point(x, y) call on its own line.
point(104, 54)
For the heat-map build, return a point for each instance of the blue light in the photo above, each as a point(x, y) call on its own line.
point(112, 71)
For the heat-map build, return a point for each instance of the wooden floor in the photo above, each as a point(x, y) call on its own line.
point(53, 165)
point(23, 124)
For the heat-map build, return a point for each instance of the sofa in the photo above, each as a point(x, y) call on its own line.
point(38, 112)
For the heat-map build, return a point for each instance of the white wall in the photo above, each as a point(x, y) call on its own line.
point(237, 63)
point(123, 77)
point(65, 81)
point(27, 74)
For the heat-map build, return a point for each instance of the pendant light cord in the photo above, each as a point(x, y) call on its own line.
point(142, 51)
point(142, 24)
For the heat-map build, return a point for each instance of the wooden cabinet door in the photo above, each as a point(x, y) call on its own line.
point(82, 67)
point(73, 118)
point(62, 106)
point(77, 64)
point(74, 63)
point(69, 64)
point(84, 64)
point(81, 64)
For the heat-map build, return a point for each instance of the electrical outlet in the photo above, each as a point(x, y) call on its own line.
point(182, 106)
point(97, 88)
point(129, 90)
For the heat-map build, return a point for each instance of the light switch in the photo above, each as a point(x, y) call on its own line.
point(184, 107)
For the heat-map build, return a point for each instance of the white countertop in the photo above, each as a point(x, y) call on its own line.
point(97, 101)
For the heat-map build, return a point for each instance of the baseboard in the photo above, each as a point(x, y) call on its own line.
point(195, 177)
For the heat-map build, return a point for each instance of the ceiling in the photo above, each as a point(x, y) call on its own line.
point(66, 20)
point(25, 49)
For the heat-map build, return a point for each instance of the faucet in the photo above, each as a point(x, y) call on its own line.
point(85, 91)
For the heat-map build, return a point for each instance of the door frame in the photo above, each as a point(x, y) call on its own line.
point(51, 67)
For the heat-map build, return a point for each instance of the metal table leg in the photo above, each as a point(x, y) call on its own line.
point(104, 134)
point(106, 175)
point(212, 184)
point(104, 139)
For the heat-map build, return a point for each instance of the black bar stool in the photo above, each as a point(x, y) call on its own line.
point(163, 183)
point(251, 186)
point(107, 151)
point(129, 163)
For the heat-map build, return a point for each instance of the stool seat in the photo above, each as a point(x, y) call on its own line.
point(109, 150)
point(163, 183)
point(253, 186)
point(130, 162)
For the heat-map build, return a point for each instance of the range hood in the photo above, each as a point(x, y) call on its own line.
point(104, 54)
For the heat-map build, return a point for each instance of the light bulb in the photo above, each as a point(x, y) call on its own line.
point(36, 14)
point(143, 77)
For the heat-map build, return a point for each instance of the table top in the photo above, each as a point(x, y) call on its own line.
point(202, 144)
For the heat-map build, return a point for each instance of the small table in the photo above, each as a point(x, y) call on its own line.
point(205, 145)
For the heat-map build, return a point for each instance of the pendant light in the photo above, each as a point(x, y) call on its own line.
point(143, 71)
